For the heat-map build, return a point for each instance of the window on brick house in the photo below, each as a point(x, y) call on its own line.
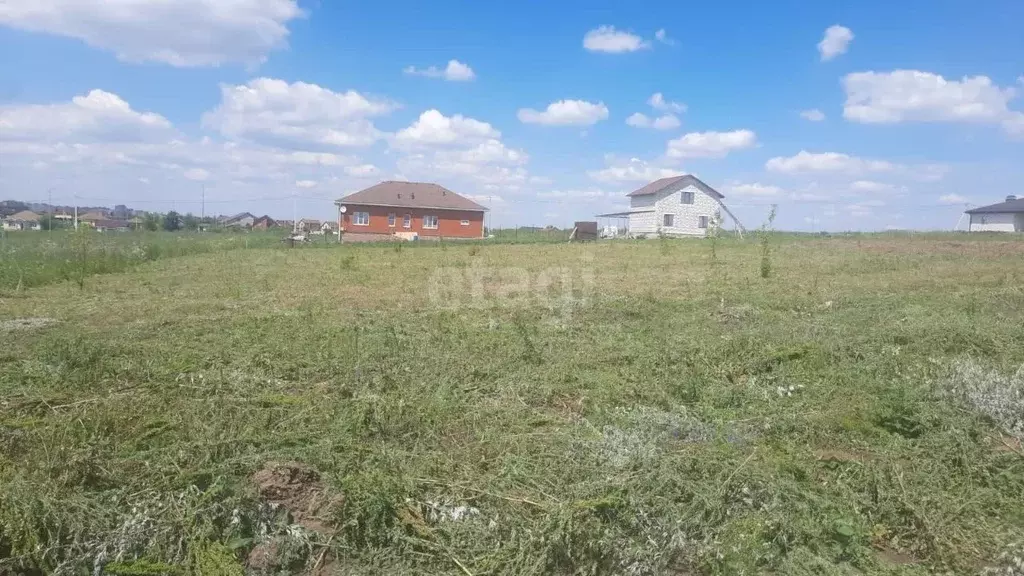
point(430, 222)
point(391, 220)
point(407, 221)
point(687, 197)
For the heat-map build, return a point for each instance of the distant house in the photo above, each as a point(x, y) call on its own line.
point(263, 222)
point(90, 217)
point(286, 224)
point(112, 225)
point(1006, 216)
point(310, 226)
point(329, 227)
point(674, 206)
point(243, 220)
point(417, 208)
point(24, 220)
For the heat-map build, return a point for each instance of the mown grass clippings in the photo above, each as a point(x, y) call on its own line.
point(832, 418)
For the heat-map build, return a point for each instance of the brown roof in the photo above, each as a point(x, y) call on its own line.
point(684, 179)
point(93, 216)
point(112, 224)
point(24, 216)
point(411, 195)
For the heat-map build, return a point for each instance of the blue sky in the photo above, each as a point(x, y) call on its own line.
point(847, 115)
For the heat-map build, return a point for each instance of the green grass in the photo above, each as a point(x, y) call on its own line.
point(35, 258)
point(677, 416)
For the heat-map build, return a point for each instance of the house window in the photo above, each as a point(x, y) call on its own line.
point(702, 222)
point(669, 220)
point(687, 197)
point(430, 222)
point(391, 220)
point(361, 218)
point(407, 221)
point(464, 222)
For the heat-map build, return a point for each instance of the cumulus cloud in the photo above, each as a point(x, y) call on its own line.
point(633, 170)
point(807, 162)
point(664, 122)
point(434, 128)
point(179, 33)
point(362, 170)
point(710, 144)
point(658, 102)
point(753, 189)
point(950, 199)
point(98, 115)
point(915, 96)
point(608, 39)
point(872, 186)
point(572, 194)
point(305, 184)
point(455, 71)
point(836, 41)
point(814, 115)
point(273, 111)
point(662, 36)
point(565, 113)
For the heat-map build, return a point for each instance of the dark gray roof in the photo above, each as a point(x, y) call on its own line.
point(411, 195)
point(684, 180)
point(1016, 205)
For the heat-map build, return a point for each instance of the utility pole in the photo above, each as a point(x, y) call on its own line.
point(295, 212)
point(76, 211)
point(49, 211)
point(202, 213)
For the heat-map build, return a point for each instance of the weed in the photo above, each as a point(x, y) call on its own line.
point(765, 240)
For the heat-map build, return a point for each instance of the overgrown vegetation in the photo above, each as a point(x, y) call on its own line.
point(35, 258)
point(833, 417)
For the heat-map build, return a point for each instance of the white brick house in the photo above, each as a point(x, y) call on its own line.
point(674, 206)
point(1003, 217)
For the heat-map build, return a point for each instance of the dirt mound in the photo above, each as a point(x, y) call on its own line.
point(297, 488)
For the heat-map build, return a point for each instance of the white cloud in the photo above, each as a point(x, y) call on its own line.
point(915, 96)
point(362, 170)
point(710, 144)
point(274, 111)
point(950, 199)
point(434, 128)
point(753, 189)
point(836, 41)
point(634, 170)
point(197, 174)
point(664, 122)
point(805, 162)
point(179, 33)
point(814, 115)
point(97, 115)
point(305, 184)
point(572, 194)
point(662, 36)
point(487, 152)
point(871, 186)
point(608, 39)
point(455, 71)
point(658, 102)
point(566, 113)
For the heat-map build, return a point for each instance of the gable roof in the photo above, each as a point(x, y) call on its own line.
point(411, 195)
point(1010, 206)
point(24, 216)
point(684, 180)
point(238, 217)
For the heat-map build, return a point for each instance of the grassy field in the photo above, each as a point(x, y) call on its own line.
point(455, 409)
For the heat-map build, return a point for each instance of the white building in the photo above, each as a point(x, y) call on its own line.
point(1003, 217)
point(673, 206)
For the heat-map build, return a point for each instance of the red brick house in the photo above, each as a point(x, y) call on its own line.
point(426, 209)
